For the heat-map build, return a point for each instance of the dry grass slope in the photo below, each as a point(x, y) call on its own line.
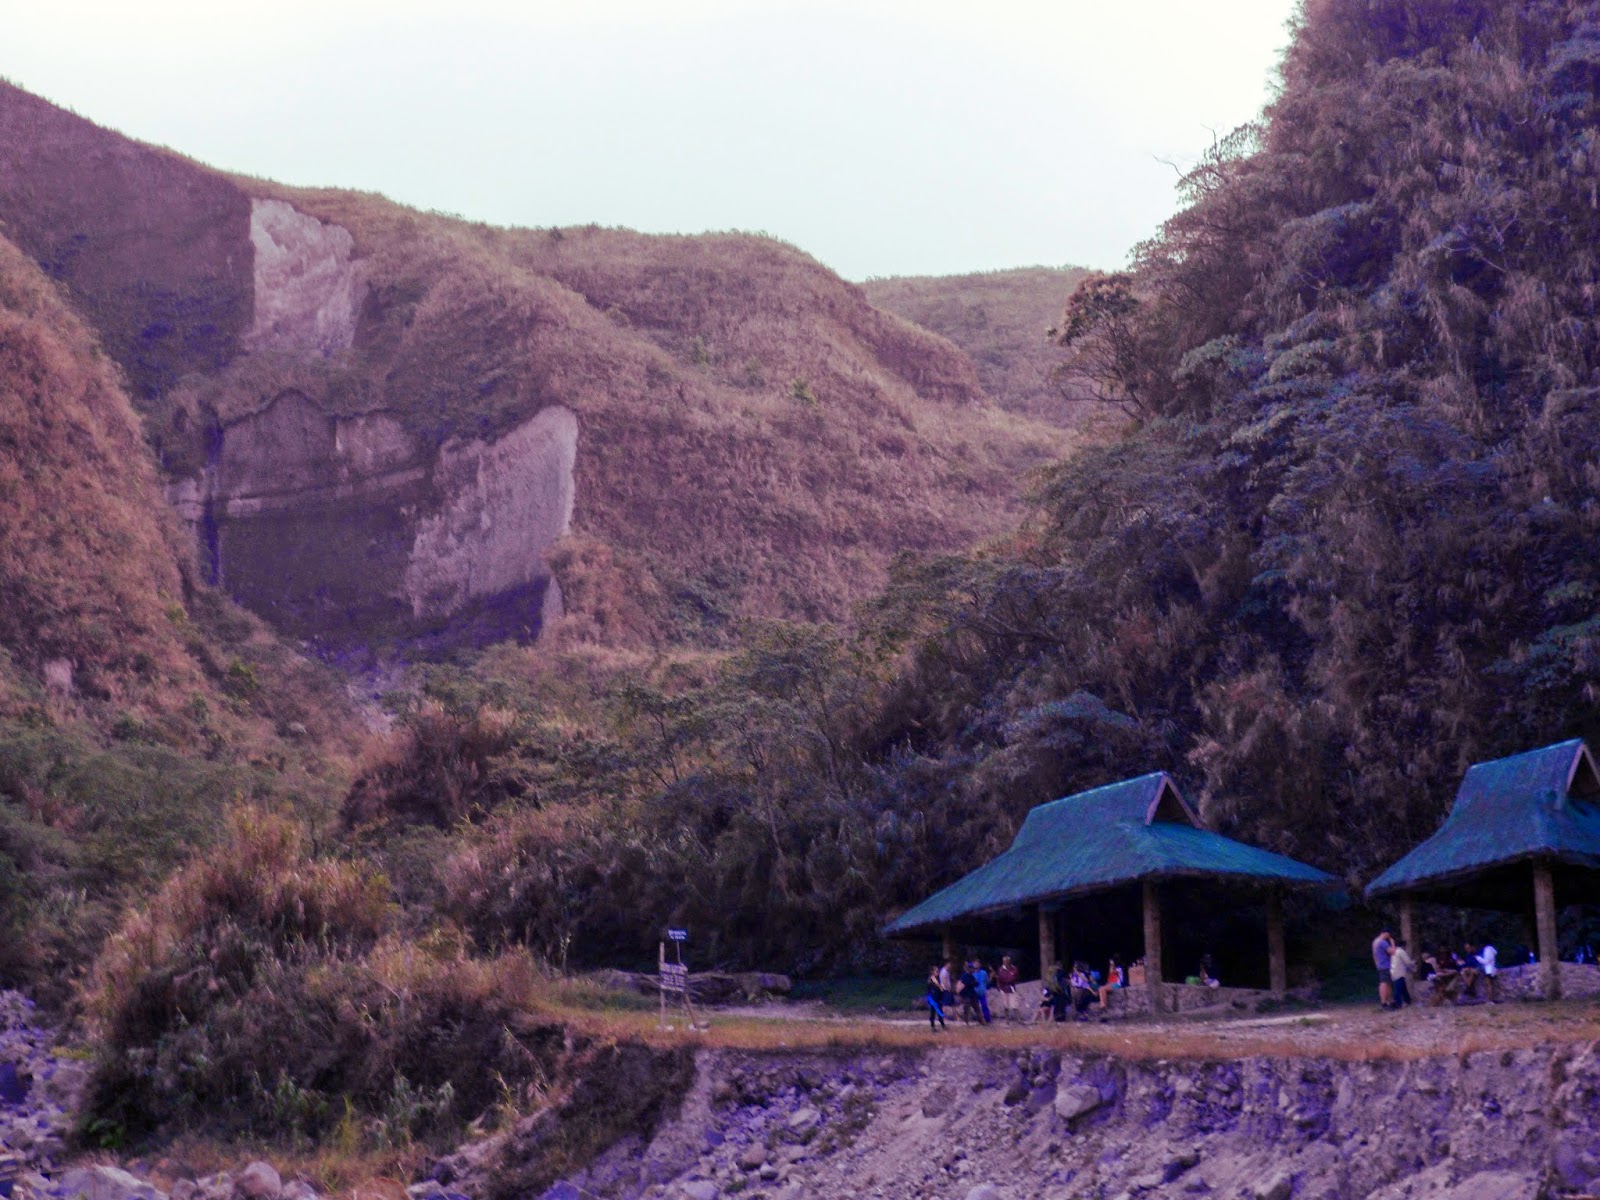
point(999, 319)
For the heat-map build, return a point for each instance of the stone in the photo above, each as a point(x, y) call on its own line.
point(107, 1183)
point(984, 1191)
point(768, 1172)
point(184, 1189)
point(299, 1189)
point(803, 1122)
point(258, 1181)
point(1075, 1100)
point(699, 1189)
point(1016, 1093)
point(562, 1190)
point(1495, 1185)
point(753, 1156)
point(1277, 1187)
point(938, 1101)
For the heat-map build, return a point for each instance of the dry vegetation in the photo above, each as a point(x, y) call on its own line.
point(133, 704)
point(1001, 320)
point(756, 439)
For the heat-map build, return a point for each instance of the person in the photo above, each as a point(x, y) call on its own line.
point(980, 978)
point(1471, 970)
point(945, 984)
point(934, 996)
point(1136, 976)
point(1082, 991)
point(1382, 945)
point(1005, 981)
point(1113, 982)
point(1208, 971)
point(967, 994)
point(1058, 995)
point(1401, 965)
point(1489, 960)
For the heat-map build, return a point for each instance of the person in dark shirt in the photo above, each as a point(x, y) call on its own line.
point(934, 996)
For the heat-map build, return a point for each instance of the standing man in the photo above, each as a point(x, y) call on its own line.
point(1382, 959)
point(1401, 965)
point(1005, 981)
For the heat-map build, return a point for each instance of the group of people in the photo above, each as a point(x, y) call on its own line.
point(1452, 976)
point(970, 988)
point(1081, 988)
point(1075, 990)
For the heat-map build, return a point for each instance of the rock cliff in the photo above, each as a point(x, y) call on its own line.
point(1014, 1125)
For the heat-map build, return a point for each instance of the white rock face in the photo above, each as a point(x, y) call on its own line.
point(307, 288)
point(506, 503)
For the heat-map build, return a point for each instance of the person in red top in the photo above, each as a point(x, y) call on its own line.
point(1005, 982)
point(1114, 980)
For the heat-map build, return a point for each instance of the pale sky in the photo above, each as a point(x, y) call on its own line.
point(885, 137)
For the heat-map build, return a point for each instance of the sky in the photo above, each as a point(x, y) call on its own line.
point(884, 137)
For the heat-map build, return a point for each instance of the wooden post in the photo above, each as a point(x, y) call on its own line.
point(1544, 908)
point(1408, 926)
point(1152, 946)
point(1047, 945)
point(1277, 959)
point(949, 948)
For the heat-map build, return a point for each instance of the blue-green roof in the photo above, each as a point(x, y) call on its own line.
point(1509, 810)
point(1108, 837)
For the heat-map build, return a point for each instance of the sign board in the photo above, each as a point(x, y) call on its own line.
point(674, 977)
point(677, 935)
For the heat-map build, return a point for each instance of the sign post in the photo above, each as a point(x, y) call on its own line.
point(674, 976)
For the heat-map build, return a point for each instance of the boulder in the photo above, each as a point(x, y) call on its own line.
point(699, 1189)
point(753, 1156)
point(1075, 1100)
point(107, 1183)
point(259, 1181)
point(1276, 1187)
point(803, 1122)
point(984, 1191)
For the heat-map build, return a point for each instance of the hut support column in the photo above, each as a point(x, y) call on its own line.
point(1152, 946)
point(1544, 907)
point(1277, 959)
point(1047, 945)
point(949, 948)
point(1408, 926)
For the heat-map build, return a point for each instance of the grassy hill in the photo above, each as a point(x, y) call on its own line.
point(999, 319)
point(134, 703)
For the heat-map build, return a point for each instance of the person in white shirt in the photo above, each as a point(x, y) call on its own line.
point(1490, 959)
point(1401, 964)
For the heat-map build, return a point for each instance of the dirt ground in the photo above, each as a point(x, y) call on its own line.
point(1342, 1031)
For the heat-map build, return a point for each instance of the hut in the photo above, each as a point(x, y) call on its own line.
point(1127, 838)
point(1522, 835)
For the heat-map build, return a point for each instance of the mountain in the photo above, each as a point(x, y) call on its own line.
point(1000, 319)
point(386, 427)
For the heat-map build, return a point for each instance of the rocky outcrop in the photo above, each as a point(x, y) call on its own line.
point(308, 288)
point(998, 1125)
point(338, 527)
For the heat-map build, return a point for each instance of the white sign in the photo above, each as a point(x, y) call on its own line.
point(674, 977)
point(677, 935)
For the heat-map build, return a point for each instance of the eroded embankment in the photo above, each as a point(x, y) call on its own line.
point(1488, 1125)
